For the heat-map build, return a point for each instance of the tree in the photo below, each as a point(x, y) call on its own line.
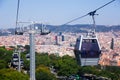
point(66, 66)
point(27, 47)
point(42, 59)
point(43, 73)
point(5, 57)
point(2, 52)
point(9, 74)
point(27, 65)
point(109, 72)
point(3, 64)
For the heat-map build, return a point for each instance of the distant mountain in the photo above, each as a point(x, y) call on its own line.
point(82, 28)
point(78, 28)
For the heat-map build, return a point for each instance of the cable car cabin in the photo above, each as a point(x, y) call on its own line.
point(45, 32)
point(15, 56)
point(18, 32)
point(28, 56)
point(87, 50)
point(15, 63)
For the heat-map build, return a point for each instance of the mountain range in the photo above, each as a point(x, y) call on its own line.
point(78, 28)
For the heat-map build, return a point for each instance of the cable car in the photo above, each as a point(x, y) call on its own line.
point(43, 30)
point(15, 63)
point(19, 31)
point(87, 50)
point(28, 56)
point(15, 56)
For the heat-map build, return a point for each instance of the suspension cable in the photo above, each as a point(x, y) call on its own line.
point(16, 23)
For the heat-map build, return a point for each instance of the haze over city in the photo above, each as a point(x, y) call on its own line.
point(62, 40)
point(56, 12)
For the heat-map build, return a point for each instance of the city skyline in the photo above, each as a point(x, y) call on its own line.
point(58, 12)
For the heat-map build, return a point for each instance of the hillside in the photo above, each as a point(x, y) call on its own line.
point(78, 28)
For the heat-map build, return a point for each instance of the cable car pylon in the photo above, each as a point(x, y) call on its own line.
point(31, 31)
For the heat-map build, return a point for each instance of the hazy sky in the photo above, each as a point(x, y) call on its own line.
point(58, 12)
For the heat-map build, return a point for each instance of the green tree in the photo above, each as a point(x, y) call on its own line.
point(66, 66)
point(42, 59)
point(3, 64)
point(27, 65)
point(43, 73)
point(27, 47)
point(109, 72)
point(88, 70)
point(8, 74)
point(5, 57)
point(2, 52)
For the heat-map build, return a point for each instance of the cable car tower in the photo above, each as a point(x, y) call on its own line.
point(87, 49)
point(31, 30)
